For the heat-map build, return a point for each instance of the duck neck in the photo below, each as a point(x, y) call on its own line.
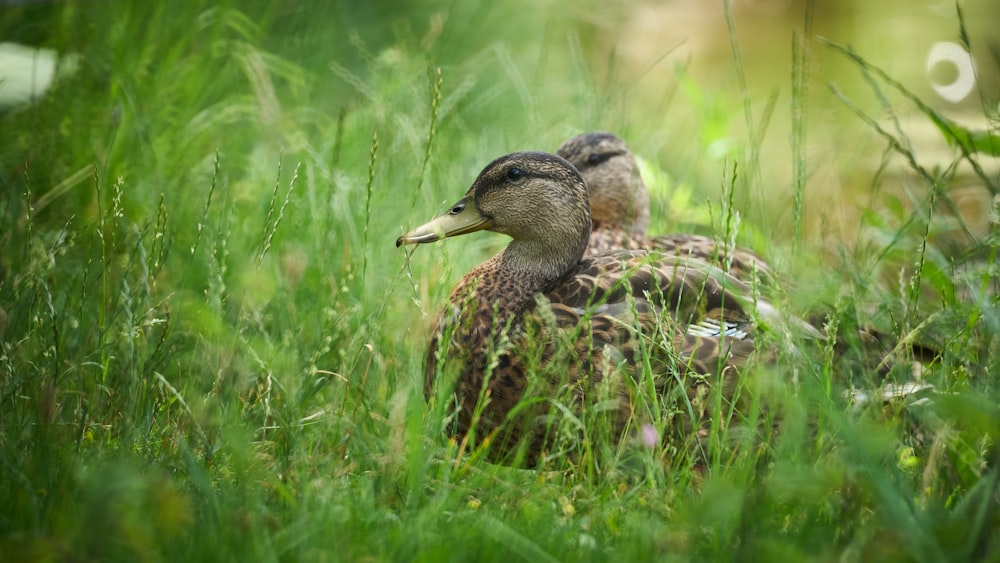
point(539, 265)
point(507, 283)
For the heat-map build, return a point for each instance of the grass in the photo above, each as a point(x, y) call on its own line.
point(212, 351)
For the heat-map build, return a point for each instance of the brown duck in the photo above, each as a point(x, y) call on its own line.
point(619, 212)
point(539, 315)
point(619, 207)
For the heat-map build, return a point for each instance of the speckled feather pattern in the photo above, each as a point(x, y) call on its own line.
point(602, 308)
point(590, 317)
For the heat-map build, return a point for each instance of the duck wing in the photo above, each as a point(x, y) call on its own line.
point(738, 262)
point(593, 332)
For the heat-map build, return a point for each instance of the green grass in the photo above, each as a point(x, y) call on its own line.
point(213, 351)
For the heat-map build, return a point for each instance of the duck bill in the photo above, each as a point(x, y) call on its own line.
point(449, 225)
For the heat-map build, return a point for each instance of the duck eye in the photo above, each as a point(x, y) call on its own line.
point(515, 173)
point(594, 158)
point(457, 208)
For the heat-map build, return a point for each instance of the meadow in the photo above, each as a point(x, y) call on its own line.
point(213, 351)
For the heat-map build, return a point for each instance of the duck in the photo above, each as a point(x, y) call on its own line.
point(620, 217)
point(619, 204)
point(543, 314)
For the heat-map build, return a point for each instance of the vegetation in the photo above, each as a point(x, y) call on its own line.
point(212, 351)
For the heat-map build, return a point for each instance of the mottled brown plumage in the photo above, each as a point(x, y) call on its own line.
point(620, 209)
point(619, 219)
point(539, 314)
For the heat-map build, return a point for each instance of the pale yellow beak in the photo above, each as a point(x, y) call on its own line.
point(461, 219)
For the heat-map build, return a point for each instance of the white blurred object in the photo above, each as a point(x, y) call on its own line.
point(965, 70)
point(26, 72)
point(893, 392)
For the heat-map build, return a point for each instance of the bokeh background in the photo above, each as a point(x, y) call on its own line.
point(679, 79)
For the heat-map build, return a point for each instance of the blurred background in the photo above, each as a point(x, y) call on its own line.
point(681, 81)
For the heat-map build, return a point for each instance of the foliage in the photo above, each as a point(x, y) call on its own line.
point(211, 350)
